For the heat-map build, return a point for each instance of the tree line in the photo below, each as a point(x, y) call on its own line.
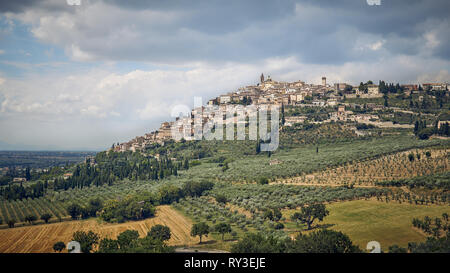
point(138, 206)
point(111, 166)
point(14, 191)
point(126, 242)
point(422, 131)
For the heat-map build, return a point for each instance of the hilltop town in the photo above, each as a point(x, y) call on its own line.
point(269, 92)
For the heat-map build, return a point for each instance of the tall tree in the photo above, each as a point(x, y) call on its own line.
point(159, 232)
point(309, 213)
point(323, 241)
point(223, 228)
point(200, 230)
point(108, 246)
point(386, 102)
point(74, 211)
point(87, 240)
point(45, 217)
point(30, 219)
point(127, 239)
point(28, 174)
point(258, 146)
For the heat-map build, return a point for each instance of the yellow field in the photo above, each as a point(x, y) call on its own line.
point(40, 238)
point(371, 220)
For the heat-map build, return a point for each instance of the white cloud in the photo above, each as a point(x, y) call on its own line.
point(110, 106)
point(78, 54)
point(149, 95)
point(376, 46)
point(431, 40)
point(205, 50)
point(93, 110)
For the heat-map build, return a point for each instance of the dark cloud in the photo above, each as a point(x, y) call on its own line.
point(397, 16)
point(217, 16)
point(17, 6)
point(315, 31)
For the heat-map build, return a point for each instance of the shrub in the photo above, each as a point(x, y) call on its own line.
point(323, 241)
point(425, 133)
point(159, 232)
point(220, 198)
point(94, 206)
point(74, 211)
point(263, 181)
point(196, 188)
point(11, 223)
point(223, 228)
point(86, 239)
point(45, 217)
point(258, 243)
point(127, 239)
point(130, 208)
point(59, 246)
point(194, 163)
point(397, 249)
point(30, 219)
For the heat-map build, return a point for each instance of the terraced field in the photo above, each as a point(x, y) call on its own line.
point(298, 162)
point(361, 162)
point(306, 160)
point(55, 203)
point(40, 238)
point(389, 167)
point(17, 210)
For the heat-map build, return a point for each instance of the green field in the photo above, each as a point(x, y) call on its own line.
point(351, 208)
point(387, 223)
point(242, 167)
point(304, 159)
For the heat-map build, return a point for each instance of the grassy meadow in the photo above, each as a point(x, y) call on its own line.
point(371, 220)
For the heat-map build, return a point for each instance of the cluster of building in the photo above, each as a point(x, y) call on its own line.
point(4, 170)
point(163, 134)
point(267, 93)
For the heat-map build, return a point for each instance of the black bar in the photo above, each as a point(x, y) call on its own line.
point(226, 262)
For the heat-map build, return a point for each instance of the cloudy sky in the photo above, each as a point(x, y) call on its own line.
point(82, 77)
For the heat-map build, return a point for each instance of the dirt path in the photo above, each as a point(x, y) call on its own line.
point(322, 185)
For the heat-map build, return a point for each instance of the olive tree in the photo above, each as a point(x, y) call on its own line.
point(199, 230)
point(223, 228)
point(309, 213)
